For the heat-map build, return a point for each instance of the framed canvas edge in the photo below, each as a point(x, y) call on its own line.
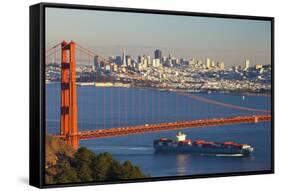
point(36, 59)
point(37, 147)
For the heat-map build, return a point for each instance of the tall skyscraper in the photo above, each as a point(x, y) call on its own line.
point(213, 64)
point(247, 64)
point(148, 60)
point(96, 62)
point(124, 57)
point(128, 60)
point(158, 54)
point(208, 63)
point(118, 60)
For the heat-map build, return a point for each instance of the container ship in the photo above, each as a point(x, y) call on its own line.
point(181, 144)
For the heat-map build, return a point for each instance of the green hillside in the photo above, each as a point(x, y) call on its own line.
point(65, 165)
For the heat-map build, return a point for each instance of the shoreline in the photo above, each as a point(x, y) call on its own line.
point(121, 85)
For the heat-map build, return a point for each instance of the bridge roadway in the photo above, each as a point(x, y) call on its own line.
point(148, 128)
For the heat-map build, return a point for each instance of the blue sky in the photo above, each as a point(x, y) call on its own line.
point(107, 33)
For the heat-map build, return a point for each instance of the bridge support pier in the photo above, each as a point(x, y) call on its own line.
point(73, 141)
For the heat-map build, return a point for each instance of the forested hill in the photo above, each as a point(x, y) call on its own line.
point(65, 165)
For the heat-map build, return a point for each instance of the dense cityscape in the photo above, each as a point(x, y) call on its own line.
point(169, 73)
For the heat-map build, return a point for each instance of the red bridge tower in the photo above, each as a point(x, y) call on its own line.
point(68, 126)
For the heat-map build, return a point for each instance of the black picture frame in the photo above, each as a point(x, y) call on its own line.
point(37, 92)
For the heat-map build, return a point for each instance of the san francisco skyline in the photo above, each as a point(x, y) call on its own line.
point(108, 33)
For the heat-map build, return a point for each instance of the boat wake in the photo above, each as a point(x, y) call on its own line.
point(123, 148)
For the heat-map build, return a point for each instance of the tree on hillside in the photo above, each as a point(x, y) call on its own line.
point(84, 155)
point(65, 173)
point(115, 171)
point(101, 166)
point(83, 162)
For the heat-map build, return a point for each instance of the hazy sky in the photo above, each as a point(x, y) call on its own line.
point(107, 33)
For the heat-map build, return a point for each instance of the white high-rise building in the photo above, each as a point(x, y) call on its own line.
point(156, 62)
point(213, 64)
point(124, 57)
point(208, 63)
point(148, 60)
point(128, 61)
point(247, 64)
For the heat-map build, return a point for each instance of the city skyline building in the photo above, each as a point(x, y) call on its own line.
point(96, 62)
point(247, 64)
point(118, 60)
point(124, 57)
point(158, 54)
point(128, 60)
point(208, 63)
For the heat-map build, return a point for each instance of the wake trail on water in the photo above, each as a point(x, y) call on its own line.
point(124, 148)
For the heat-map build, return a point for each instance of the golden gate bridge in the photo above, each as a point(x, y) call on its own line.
point(68, 104)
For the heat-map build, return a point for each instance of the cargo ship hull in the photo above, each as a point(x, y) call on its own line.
point(181, 145)
point(201, 150)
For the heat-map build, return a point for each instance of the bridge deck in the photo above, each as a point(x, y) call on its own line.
point(140, 129)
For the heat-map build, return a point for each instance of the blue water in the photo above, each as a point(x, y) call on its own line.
point(115, 107)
